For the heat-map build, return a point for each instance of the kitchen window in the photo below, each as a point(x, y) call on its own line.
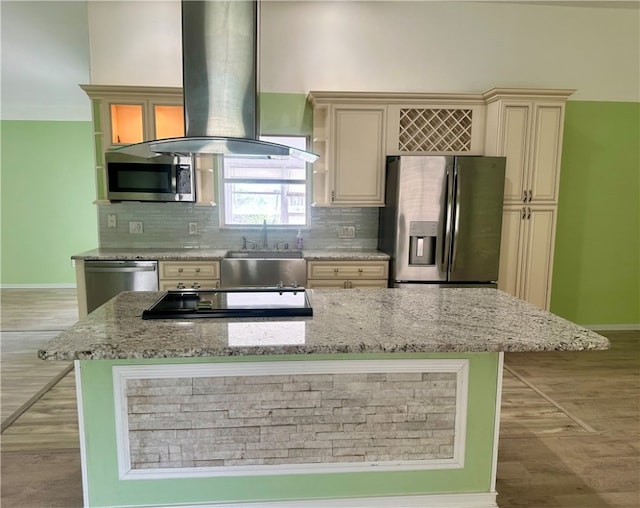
point(255, 190)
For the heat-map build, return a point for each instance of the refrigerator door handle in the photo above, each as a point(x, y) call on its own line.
point(446, 246)
point(456, 222)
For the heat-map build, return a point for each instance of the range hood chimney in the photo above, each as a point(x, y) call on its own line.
point(220, 85)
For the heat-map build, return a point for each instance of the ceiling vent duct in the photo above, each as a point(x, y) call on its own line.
point(220, 85)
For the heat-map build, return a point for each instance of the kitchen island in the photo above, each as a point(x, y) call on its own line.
point(384, 397)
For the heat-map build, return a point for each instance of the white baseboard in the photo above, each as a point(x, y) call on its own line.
point(623, 327)
point(475, 500)
point(53, 285)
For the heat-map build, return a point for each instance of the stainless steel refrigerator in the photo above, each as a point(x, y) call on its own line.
point(442, 220)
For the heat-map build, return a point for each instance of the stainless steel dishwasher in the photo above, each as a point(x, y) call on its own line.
point(105, 279)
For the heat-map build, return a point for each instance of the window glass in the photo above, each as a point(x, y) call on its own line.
point(273, 190)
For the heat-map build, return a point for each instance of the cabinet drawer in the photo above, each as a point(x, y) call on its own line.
point(166, 285)
point(189, 270)
point(346, 283)
point(347, 270)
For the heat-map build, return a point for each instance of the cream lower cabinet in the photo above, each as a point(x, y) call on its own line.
point(347, 274)
point(188, 275)
point(526, 255)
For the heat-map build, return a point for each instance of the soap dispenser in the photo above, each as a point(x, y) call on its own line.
point(299, 242)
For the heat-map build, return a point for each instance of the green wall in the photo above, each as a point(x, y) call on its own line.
point(285, 114)
point(596, 276)
point(48, 187)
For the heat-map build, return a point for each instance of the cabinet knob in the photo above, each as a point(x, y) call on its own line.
point(336, 270)
point(350, 284)
point(179, 270)
point(360, 270)
point(344, 284)
point(197, 270)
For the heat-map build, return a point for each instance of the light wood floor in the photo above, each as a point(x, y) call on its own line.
point(29, 319)
point(570, 425)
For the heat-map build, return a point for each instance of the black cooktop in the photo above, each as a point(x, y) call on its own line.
point(228, 303)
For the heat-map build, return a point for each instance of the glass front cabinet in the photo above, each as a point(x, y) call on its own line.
point(124, 115)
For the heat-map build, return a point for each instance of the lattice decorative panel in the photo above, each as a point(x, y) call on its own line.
point(435, 130)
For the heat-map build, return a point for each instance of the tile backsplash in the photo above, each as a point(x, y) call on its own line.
point(167, 225)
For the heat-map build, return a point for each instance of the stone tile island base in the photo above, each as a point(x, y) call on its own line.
point(377, 429)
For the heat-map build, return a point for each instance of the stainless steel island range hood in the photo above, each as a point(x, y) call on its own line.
point(220, 83)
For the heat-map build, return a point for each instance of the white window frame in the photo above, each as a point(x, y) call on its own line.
point(224, 205)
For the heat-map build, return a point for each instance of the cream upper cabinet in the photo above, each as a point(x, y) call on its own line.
point(526, 256)
point(358, 160)
point(532, 142)
point(125, 115)
point(526, 127)
point(354, 132)
point(436, 124)
point(350, 139)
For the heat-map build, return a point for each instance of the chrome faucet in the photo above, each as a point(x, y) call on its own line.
point(284, 244)
point(245, 242)
point(265, 245)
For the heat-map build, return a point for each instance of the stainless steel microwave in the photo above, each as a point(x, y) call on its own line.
point(160, 178)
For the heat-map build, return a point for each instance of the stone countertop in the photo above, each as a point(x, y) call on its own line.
point(152, 254)
point(217, 254)
point(345, 255)
point(344, 321)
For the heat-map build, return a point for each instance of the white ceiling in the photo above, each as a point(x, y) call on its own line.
point(602, 4)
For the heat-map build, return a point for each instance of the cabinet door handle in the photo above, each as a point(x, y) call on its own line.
point(180, 285)
point(351, 284)
point(524, 196)
point(344, 284)
point(528, 213)
point(333, 195)
point(524, 213)
point(197, 270)
point(360, 270)
point(336, 270)
point(195, 285)
point(530, 195)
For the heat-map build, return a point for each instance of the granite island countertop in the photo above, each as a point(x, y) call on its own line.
point(213, 254)
point(344, 321)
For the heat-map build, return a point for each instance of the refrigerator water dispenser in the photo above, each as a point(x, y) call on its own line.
point(422, 242)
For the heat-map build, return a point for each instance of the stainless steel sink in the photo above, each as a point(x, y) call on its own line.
point(267, 268)
point(264, 254)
